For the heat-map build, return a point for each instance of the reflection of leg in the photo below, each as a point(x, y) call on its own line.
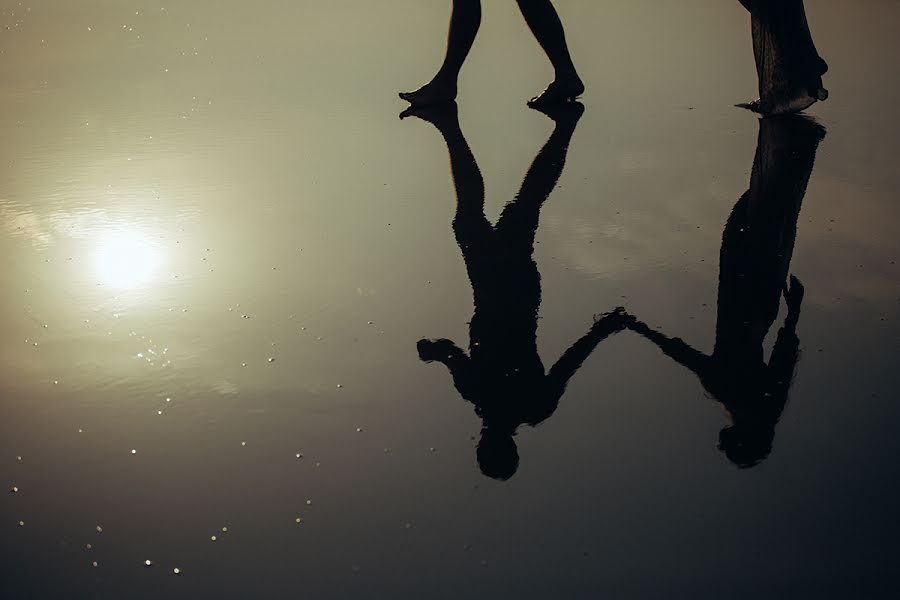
point(472, 229)
point(466, 176)
point(464, 24)
point(548, 29)
point(788, 66)
point(519, 220)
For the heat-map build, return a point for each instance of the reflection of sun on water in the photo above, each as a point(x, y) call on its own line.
point(126, 259)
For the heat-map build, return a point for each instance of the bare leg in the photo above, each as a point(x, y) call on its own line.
point(544, 23)
point(464, 24)
point(518, 221)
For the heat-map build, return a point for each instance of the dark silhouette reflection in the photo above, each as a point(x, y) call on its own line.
point(753, 275)
point(502, 374)
point(465, 20)
point(788, 65)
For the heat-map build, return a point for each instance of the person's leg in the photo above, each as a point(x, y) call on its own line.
point(464, 24)
point(544, 23)
point(788, 65)
point(518, 221)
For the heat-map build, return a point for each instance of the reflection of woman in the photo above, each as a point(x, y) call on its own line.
point(502, 374)
point(757, 245)
point(464, 22)
point(788, 66)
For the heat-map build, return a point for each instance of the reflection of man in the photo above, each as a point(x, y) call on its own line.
point(502, 374)
point(787, 63)
point(757, 245)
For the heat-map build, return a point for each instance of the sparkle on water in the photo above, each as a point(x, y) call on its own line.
point(126, 259)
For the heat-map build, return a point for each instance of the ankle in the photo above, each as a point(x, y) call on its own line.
point(566, 76)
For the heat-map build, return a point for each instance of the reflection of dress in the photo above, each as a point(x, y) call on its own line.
point(787, 61)
point(757, 245)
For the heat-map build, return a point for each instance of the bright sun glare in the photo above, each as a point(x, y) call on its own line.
point(126, 259)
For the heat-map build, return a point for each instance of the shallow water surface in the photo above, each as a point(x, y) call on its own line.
point(253, 332)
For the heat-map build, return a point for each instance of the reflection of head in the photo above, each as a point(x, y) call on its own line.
point(746, 446)
point(497, 454)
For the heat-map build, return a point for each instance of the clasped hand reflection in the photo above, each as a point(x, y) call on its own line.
point(502, 374)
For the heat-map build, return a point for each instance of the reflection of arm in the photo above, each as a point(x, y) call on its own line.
point(572, 359)
point(451, 356)
point(674, 348)
point(787, 345)
point(784, 357)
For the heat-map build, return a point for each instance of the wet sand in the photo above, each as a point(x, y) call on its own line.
point(221, 248)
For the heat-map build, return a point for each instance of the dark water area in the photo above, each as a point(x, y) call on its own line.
point(258, 329)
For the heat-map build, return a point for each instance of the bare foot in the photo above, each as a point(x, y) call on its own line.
point(431, 94)
point(782, 106)
point(561, 90)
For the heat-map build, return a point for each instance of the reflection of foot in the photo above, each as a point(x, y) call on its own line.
point(566, 113)
point(443, 117)
point(560, 91)
point(431, 94)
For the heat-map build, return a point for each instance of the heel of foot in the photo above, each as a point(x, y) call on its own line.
point(557, 93)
